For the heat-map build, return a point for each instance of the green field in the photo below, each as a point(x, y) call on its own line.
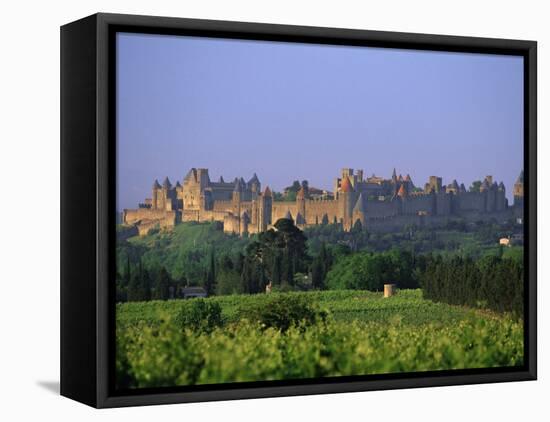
point(360, 332)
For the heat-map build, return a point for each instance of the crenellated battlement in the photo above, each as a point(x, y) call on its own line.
point(242, 207)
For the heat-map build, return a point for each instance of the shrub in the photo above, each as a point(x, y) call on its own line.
point(283, 311)
point(199, 315)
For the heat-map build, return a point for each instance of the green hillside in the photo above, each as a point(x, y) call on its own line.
point(184, 251)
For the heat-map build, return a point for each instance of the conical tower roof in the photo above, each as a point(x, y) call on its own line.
point(191, 175)
point(178, 184)
point(402, 192)
point(238, 186)
point(156, 185)
point(520, 178)
point(288, 215)
point(267, 192)
point(254, 179)
point(166, 184)
point(359, 205)
point(346, 185)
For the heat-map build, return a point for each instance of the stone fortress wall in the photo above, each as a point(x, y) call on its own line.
point(376, 203)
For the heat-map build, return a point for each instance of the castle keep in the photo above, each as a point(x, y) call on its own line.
point(374, 203)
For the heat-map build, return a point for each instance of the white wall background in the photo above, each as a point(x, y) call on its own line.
point(29, 212)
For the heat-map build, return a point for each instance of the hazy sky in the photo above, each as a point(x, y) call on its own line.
point(301, 111)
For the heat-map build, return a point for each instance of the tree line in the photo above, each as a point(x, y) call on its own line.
point(281, 257)
point(137, 284)
point(370, 271)
point(491, 282)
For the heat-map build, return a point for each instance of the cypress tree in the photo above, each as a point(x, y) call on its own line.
point(145, 285)
point(210, 281)
point(317, 273)
point(162, 285)
point(276, 270)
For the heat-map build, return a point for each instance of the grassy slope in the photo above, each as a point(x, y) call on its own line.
point(182, 251)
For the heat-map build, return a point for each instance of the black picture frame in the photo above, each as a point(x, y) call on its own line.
point(88, 204)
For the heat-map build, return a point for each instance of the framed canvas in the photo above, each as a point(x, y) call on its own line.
point(255, 210)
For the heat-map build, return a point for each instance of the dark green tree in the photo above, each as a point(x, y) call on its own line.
point(476, 185)
point(317, 276)
point(145, 285)
point(134, 294)
point(276, 269)
point(162, 285)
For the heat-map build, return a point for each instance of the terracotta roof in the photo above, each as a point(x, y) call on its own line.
point(402, 191)
point(346, 185)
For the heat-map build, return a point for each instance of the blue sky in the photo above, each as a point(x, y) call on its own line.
point(302, 111)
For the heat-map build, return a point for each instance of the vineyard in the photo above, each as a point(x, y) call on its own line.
point(303, 335)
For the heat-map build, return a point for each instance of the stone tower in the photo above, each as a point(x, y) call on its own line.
point(254, 185)
point(347, 201)
point(501, 204)
point(518, 191)
point(237, 196)
point(265, 209)
point(358, 213)
point(155, 194)
point(166, 195)
point(301, 203)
